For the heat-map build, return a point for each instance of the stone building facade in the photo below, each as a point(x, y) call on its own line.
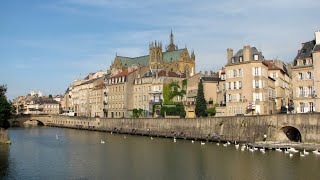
point(306, 77)
point(247, 88)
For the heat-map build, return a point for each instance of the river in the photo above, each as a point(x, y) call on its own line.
point(36, 153)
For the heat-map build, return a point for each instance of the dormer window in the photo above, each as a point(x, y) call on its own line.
point(303, 51)
point(240, 59)
point(256, 57)
point(232, 60)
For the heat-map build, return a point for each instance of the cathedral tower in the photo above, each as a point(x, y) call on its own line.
point(155, 52)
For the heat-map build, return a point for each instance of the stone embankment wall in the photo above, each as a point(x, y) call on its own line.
point(247, 128)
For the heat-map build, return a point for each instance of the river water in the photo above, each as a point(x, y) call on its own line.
point(36, 153)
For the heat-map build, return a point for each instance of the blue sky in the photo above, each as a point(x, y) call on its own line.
point(46, 45)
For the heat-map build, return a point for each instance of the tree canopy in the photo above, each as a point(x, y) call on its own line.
point(5, 108)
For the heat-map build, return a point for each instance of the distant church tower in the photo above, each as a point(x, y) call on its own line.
point(155, 52)
point(171, 46)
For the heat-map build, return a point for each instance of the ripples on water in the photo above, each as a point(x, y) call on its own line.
point(37, 154)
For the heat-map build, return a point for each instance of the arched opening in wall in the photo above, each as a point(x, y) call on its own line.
point(39, 123)
point(292, 133)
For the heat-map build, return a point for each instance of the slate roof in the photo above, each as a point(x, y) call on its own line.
point(306, 50)
point(144, 60)
point(253, 52)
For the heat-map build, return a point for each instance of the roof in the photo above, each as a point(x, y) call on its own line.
point(162, 72)
point(253, 52)
point(124, 73)
point(306, 50)
point(210, 78)
point(144, 60)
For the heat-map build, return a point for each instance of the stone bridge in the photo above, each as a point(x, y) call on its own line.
point(19, 120)
point(278, 127)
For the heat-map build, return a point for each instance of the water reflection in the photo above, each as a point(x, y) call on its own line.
point(4, 164)
point(36, 152)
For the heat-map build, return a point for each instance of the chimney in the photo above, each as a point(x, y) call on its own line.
point(317, 35)
point(246, 53)
point(205, 73)
point(229, 55)
point(167, 72)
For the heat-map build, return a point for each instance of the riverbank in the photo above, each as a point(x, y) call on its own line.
point(4, 137)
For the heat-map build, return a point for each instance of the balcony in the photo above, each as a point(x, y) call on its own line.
point(156, 101)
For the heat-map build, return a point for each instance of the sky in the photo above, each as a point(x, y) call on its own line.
point(45, 45)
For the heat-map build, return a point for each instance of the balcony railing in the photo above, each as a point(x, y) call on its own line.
point(156, 101)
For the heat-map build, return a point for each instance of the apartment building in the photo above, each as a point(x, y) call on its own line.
point(119, 89)
point(148, 88)
point(306, 77)
point(247, 83)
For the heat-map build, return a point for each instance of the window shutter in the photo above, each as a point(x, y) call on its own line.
point(259, 71)
point(253, 71)
point(237, 84)
point(253, 84)
point(260, 96)
point(260, 84)
point(297, 92)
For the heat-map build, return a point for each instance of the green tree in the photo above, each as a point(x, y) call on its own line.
point(50, 95)
point(137, 113)
point(5, 108)
point(201, 104)
point(211, 111)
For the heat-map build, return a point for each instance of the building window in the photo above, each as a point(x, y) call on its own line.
point(300, 76)
point(232, 60)
point(240, 59)
point(235, 74)
point(309, 75)
point(256, 57)
point(301, 92)
point(256, 83)
point(240, 72)
point(311, 106)
point(240, 84)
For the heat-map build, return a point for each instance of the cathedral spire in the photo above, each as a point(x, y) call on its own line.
point(171, 46)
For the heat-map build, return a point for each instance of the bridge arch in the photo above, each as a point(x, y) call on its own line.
point(292, 133)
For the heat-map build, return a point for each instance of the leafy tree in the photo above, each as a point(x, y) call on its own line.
point(211, 111)
point(137, 113)
point(50, 95)
point(5, 108)
point(201, 104)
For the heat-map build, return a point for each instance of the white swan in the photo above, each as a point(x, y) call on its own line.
point(301, 154)
point(251, 149)
point(202, 143)
point(254, 148)
point(263, 150)
point(237, 146)
point(291, 149)
point(151, 138)
point(286, 151)
point(316, 152)
point(111, 132)
point(102, 141)
point(192, 141)
point(290, 155)
point(305, 152)
point(278, 149)
point(228, 143)
point(174, 140)
point(218, 144)
point(225, 145)
point(124, 137)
